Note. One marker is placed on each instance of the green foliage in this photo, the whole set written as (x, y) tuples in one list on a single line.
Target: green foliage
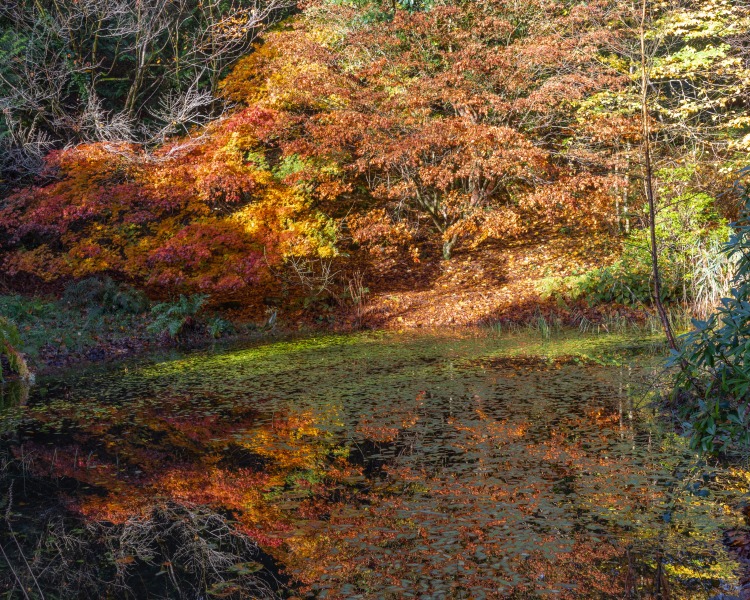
[(374, 11), (173, 318), (623, 282), (49, 323), (698, 73), (714, 381), (44, 322), (105, 296), (688, 235), (258, 160), (21, 310), (289, 166), (218, 327), (10, 340)]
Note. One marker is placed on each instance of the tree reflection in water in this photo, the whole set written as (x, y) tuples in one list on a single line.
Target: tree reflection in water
[(378, 466)]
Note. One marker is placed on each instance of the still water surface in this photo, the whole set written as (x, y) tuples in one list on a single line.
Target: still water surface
[(395, 466)]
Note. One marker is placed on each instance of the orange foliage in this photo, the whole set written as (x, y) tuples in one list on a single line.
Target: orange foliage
[(196, 215), (457, 115)]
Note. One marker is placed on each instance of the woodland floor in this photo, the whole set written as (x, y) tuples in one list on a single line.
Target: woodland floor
[(501, 283)]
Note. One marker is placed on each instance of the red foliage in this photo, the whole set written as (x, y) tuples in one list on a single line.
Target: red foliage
[(213, 256), (163, 220)]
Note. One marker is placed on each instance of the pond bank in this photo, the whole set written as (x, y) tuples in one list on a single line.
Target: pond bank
[(58, 341), (488, 287)]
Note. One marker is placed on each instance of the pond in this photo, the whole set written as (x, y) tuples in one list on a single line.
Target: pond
[(364, 466)]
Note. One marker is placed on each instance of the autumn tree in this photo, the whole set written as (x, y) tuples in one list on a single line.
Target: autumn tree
[(371, 131), (204, 215), (460, 115), (689, 84)]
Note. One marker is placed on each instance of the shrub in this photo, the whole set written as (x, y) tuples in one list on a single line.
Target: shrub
[(173, 318), (693, 270), (23, 309), (10, 340), (218, 327), (105, 296), (714, 380), (49, 326)]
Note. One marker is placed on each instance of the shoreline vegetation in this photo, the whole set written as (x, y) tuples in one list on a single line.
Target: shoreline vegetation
[(69, 337), (363, 165)]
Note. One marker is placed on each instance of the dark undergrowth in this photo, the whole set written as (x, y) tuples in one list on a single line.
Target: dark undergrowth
[(168, 550)]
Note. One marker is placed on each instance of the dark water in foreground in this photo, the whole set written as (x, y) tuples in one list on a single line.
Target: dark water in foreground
[(390, 466)]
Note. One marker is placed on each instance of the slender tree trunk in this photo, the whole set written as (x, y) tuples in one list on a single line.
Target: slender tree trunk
[(448, 244), (618, 222), (649, 185), (626, 192)]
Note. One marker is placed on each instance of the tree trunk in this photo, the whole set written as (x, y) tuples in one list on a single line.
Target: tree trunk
[(649, 186), (448, 246)]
